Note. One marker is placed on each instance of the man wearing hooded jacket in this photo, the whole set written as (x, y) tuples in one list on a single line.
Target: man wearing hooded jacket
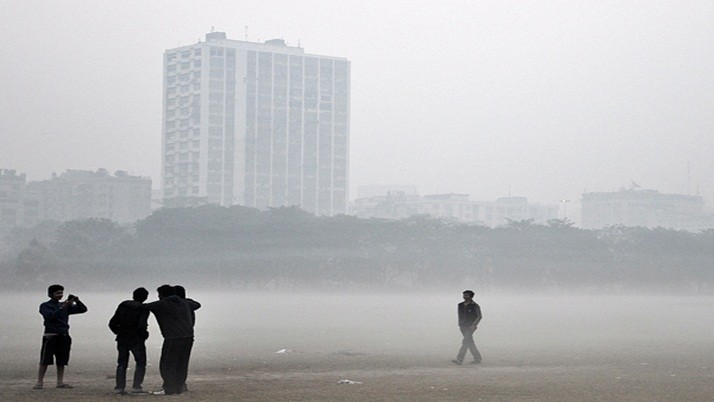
[(174, 317)]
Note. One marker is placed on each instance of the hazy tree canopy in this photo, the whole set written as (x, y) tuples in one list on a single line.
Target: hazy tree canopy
[(34, 263), (44, 232), (80, 238), (245, 247)]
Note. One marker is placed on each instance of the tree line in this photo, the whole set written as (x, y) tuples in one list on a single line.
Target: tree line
[(240, 247)]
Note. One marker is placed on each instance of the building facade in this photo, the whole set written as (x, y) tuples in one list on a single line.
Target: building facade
[(82, 194), (12, 194), (256, 124), (74, 194), (646, 208), (399, 205)]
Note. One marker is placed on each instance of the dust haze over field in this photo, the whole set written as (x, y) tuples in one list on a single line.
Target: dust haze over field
[(398, 345)]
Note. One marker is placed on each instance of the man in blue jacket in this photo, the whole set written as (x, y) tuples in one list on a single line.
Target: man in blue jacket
[(56, 342), (130, 326)]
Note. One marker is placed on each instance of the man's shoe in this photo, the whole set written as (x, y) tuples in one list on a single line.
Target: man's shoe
[(138, 391), (162, 392), (37, 386), (119, 392), (458, 362), (475, 362), (67, 386)]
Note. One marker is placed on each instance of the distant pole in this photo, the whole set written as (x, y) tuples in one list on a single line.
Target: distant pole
[(564, 202)]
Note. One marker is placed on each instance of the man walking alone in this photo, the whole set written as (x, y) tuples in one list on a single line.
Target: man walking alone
[(469, 317)]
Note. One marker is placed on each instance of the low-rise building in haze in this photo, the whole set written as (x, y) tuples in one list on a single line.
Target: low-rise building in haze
[(82, 194), (12, 193), (398, 205), (645, 208), (74, 194)]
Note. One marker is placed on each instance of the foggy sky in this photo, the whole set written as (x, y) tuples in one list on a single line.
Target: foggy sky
[(539, 99)]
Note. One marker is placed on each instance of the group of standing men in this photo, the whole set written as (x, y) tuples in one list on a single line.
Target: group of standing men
[(174, 313)]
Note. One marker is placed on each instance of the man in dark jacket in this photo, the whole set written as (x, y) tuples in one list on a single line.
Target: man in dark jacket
[(174, 317), (130, 326), (56, 342), (180, 291), (469, 317)]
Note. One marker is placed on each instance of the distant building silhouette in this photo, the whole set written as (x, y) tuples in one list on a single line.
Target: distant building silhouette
[(256, 124), (646, 208), (12, 195), (398, 205), (74, 194)]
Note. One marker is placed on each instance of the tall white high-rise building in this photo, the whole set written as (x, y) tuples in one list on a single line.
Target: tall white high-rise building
[(256, 124)]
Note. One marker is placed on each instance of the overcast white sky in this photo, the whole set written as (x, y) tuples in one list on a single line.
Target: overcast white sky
[(542, 99)]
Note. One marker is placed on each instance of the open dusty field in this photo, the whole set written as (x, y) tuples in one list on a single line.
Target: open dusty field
[(398, 347)]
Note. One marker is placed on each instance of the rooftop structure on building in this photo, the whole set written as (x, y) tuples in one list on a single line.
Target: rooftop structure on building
[(379, 190), (256, 124)]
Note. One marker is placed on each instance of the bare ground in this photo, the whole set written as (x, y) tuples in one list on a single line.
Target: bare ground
[(313, 377), (564, 348)]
